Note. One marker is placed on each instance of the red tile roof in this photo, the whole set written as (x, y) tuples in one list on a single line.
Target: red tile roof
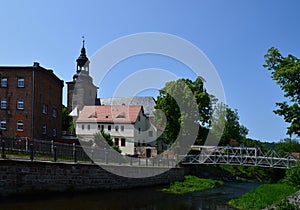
[(110, 114)]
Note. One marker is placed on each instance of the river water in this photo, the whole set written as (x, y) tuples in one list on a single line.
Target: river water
[(135, 199)]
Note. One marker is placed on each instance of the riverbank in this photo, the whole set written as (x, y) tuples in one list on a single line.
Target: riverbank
[(192, 184), (263, 196), (290, 202), (235, 173)]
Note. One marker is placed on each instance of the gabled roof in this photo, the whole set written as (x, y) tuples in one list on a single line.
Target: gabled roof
[(147, 102), (110, 114)]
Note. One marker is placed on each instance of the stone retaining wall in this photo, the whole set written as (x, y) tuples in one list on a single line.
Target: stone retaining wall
[(30, 177)]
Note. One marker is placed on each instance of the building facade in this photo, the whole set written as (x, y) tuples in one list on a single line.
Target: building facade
[(128, 126), (31, 102)]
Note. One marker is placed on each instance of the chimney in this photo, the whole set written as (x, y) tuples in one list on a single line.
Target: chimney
[(36, 64)]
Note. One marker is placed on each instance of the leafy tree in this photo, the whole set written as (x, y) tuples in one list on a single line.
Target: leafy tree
[(186, 92), (233, 130), (293, 175), (226, 125), (67, 121), (288, 145), (251, 142), (286, 72), (103, 138)]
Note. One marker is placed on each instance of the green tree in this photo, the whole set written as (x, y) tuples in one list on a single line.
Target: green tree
[(103, 138), (233, 130), (196, 107), (288, 145), (67, 121), (286, 72), (230, 127), (292, 176)]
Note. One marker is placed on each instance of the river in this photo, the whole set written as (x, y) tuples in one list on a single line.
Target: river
[(135, 199)]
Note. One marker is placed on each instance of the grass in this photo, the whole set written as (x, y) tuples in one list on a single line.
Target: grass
[(263, 196), (192, 184)]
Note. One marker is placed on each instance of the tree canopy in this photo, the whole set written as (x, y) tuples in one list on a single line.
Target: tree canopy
[(227, 125), (183, 101), (286, 72)]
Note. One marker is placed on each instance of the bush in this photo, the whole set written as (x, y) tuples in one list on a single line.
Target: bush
[(293, 175)]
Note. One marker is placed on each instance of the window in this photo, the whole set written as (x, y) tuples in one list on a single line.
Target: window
[(109, 127), (3, 125), (139, 130), (99, 127), (54, 132), (89, 127), (150, 133), (82, 127), (54, 112), (102, 127), (4, 82), (20, 125), (44, 129), (139, 118), (117, 141), (21, 82), (3, 103), (123, 141), (45, 109), (20, 104), (122, 127), (116, 128)]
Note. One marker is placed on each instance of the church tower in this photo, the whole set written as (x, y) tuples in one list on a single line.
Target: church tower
[(81, 91)]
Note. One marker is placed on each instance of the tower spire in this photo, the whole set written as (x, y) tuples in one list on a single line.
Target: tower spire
[(82, 60)]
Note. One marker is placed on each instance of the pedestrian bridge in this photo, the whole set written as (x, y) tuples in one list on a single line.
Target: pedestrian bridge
[(248, 156)]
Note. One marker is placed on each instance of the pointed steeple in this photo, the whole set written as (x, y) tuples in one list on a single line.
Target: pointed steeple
[(82, 60)]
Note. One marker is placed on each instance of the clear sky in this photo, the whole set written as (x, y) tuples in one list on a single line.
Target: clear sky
[(234, 34)]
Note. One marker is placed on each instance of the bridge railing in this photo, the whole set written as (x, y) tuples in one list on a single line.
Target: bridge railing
[(250, 156)]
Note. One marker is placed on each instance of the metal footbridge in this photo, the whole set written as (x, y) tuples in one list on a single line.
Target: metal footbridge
[(248, 156)]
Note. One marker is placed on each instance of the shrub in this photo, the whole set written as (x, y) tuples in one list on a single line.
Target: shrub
[(293, 175)]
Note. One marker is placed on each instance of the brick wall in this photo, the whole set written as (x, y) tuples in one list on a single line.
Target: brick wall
[(26, 177)]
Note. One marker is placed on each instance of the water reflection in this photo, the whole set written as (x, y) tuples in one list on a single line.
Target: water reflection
[(136, 199)]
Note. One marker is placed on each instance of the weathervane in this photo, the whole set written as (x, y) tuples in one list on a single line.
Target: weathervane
[(83, 39)]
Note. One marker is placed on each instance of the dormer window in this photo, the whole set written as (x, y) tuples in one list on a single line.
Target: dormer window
[(94, 115), (121, 115)]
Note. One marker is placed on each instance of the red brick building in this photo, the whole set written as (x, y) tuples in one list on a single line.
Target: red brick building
[(30, 102)]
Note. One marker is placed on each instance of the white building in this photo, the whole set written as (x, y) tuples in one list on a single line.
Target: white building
[(128, 126)]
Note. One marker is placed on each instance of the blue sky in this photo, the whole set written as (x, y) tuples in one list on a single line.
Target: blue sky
[(234, 34)]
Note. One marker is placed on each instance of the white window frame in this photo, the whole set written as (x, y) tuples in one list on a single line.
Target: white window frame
[(3, 125), (4, 82), (20, 125), (3, 103), (20, 104), (21, 82)]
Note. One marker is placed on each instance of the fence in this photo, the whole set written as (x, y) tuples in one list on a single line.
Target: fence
[(26, 149)]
